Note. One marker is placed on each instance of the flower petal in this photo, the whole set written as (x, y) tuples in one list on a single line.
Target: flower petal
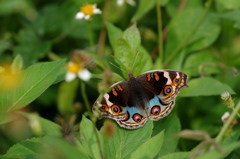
[(97, 11), (86, 17), (120, 2), (70, 76), (84, 74), (79, 15), (131, 2), (225, 116)]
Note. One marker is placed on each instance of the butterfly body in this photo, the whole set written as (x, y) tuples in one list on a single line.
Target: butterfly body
[(150, 95)]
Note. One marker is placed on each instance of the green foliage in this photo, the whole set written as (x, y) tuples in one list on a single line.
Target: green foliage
[(199, 38)]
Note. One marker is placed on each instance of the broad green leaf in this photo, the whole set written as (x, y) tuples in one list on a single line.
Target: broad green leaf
[(127, 48), (205, 86), (123, 142), (216, 154), (232, 137), (12, 6), (177, 62), (143, 8), (176, 155), (48, 127), (4, 44), (123, 55), (153, 144), (66, 96), (114, 34), (143, 62), (228, 5), (26, 149), (171, 126), (132, 36), (31, 83), (55, 148), (88, 138), (207, 65), (30, 47), (17, 64), (182, 24), (234, 16)]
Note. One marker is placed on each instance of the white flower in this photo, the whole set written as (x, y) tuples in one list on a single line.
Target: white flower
[(87, 10), (225, 96), (130, 2), (225, 116), (76, 69)]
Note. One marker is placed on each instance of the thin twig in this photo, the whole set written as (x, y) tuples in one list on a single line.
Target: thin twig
[(160, 33), (227, 124)]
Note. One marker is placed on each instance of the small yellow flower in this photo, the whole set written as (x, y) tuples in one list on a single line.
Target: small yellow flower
[(130, 2), (76, 69), (9, 80), (87, 10)]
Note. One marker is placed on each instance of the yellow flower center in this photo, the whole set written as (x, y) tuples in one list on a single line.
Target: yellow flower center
[(74, 67), (87, 9), (8, 80)]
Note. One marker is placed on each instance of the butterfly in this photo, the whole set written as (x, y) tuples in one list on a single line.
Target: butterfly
[(150, 95)]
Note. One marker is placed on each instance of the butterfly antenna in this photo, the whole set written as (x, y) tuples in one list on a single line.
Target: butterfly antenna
[(135, 59), (117, 67)]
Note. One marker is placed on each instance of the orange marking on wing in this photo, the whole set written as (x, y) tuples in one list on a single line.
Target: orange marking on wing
[(157, 78), (114, 92), (119, 87), (148, 77)]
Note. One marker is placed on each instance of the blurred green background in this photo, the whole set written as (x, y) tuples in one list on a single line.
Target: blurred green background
[(41, 30)]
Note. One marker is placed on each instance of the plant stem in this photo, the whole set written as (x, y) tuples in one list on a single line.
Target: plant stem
[(86, 102), (185, 40), (227, 124), (160, 34), (53, 56), (90, 37)]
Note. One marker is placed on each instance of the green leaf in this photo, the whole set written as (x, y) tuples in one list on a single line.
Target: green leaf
[(114, 34), (206, 33), (4, 45), (176, 155), (206, 65), (132, 36), (171, 126), (66, 96), (143, 8), (228, 5), (127, 48), (31, 83), (205, 86), (55, 148), (27, 149), (12, 6), (143, 62), (124, 141), (216, 154), (88, 138), (153, 144), (123, 55), (48, 127), (31, 47), (17, 64), (234, 16), (232, 137)]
